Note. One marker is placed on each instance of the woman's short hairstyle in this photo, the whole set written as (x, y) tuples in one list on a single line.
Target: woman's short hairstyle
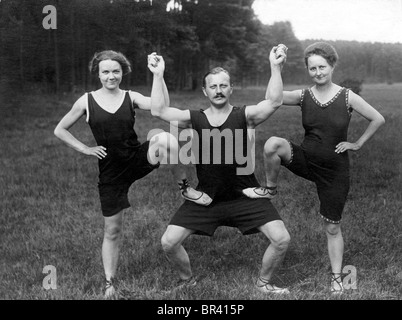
[(322, 49), (109, 55)]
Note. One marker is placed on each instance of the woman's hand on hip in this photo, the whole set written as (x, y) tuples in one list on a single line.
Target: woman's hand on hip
[(98, 151), (344, 146)]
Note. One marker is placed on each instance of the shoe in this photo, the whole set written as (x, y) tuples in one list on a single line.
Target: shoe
[(261, 192), (203, 199), (185, 283), (266, 287), (180, 285), (336, 283), (110, 291)]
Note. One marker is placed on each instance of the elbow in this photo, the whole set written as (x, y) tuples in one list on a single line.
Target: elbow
[(155, 113), (56, 132), (159, 110), (378, 121), (277, 102), (381, 120), (59, 132)]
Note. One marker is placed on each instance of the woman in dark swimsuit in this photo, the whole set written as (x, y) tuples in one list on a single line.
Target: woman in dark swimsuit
[(122, 159), (322, 157)]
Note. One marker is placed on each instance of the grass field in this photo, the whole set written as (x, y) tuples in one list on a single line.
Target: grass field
[(50, 213)]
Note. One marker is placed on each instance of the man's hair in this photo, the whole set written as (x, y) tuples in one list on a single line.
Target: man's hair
[(215, 70), (322, 49), (109, 55)]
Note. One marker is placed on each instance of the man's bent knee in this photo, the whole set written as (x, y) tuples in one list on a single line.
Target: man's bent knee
[(277, 234), (173, 237), (168, 244), (281, 243)]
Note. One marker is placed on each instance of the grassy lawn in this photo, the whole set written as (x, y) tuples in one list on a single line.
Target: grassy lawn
[(50, 213)]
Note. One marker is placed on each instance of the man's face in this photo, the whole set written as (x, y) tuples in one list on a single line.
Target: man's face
[(218, 88)]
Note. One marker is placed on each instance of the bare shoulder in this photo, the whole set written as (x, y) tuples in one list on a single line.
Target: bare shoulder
[(82, 102), (354, 99)]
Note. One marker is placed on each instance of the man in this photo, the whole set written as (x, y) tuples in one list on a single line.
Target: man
[(223, 180)]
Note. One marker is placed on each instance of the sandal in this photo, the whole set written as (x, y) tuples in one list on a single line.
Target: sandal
[(203, 199), (190, 282), (261, 192), (336, 278), (267, 287), (110, 286), (183, 284)]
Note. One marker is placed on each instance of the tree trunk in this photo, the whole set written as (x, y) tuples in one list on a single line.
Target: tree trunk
[(21, 56), (2, 55), (73, 53), (56, 61)]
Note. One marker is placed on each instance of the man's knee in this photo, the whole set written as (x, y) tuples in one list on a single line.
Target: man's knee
[(278, 235), (281, 242), (280, 238), (168, 244), (173, 238)]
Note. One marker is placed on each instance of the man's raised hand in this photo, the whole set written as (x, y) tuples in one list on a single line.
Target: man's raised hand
[(156, 64), (278, 54)]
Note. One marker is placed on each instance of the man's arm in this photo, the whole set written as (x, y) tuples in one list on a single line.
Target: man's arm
[(159, 103), (143, 102), (257, 114)]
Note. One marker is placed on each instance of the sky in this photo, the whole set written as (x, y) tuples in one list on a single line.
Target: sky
[(359, 20)]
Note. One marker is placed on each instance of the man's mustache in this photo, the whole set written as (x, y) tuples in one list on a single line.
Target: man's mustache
[(219, 95)]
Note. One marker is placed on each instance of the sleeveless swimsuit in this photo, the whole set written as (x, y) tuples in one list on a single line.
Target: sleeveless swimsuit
[(315, 159)]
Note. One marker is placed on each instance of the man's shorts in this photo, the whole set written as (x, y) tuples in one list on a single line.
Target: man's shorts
[(332, 187), (243, 213), (114, 196)]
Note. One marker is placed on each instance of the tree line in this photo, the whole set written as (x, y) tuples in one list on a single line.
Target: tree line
[(193, 37)]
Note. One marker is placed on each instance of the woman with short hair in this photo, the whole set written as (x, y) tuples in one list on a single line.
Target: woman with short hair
[(322, 157)]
